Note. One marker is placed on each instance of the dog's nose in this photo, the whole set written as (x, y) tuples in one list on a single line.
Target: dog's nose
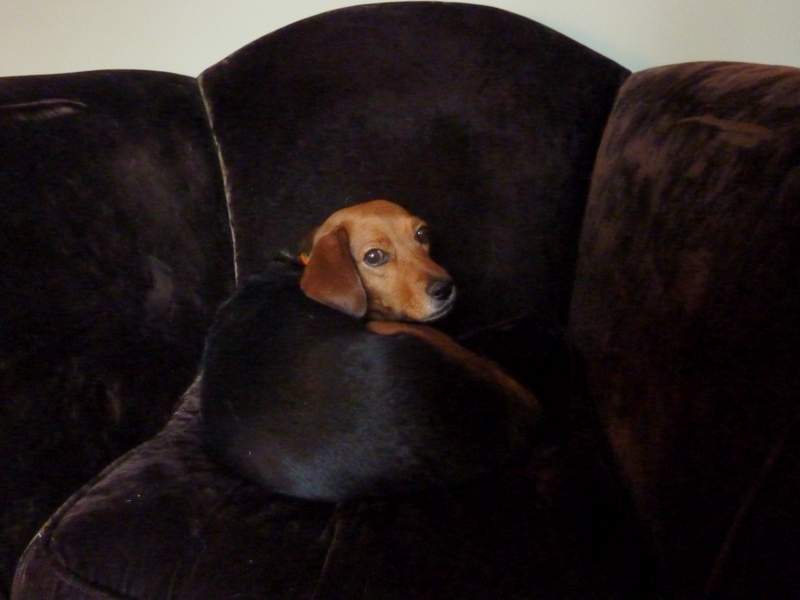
[(441, 289)]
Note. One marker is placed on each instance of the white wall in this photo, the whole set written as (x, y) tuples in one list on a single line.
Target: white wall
[(185, 36)]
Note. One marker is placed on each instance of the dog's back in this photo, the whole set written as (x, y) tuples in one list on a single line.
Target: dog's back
[(306, 401)]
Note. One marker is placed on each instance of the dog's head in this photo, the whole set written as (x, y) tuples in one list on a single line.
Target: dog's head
[(373, 259)]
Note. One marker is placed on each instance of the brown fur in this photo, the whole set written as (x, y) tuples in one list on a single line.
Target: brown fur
[(397, 290)]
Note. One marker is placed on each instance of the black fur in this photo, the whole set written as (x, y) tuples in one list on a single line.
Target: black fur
[(304, 400)]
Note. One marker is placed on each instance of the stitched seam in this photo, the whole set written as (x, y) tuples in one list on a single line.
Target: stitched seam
[(343, 517), (64, 572), (225, 178), (338, 526), (61, 569), (746, 506)]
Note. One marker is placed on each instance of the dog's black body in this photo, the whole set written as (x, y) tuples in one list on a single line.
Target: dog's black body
[(304, 400)]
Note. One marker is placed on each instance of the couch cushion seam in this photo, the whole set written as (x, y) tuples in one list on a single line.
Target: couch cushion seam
[(225, 177), (66, 573), (746, 505), (63, 571)]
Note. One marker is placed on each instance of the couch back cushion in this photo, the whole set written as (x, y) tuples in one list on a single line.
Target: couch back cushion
[(483, 122), (114, 253), (687, 314)]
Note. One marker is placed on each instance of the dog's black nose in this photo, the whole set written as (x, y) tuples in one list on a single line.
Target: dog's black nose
[(441, 289)]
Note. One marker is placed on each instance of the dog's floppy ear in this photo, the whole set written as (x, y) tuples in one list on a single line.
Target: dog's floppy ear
[(331, 277)]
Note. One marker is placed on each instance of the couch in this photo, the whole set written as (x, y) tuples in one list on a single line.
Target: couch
[(626, 244)]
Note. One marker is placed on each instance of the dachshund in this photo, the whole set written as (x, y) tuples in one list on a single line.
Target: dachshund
[(322, 378)]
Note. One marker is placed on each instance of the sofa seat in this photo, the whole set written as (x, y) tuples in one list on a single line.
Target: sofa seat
[(164, 521)]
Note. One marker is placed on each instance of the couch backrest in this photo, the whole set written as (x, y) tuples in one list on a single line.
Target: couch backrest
[(114, 253), (483, 122), (687, 314)]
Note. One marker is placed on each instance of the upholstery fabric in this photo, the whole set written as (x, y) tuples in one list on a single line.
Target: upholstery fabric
[(166, 522), (480, 121), (114, 253), (687, 315)]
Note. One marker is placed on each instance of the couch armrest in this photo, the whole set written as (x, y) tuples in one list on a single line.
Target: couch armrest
[(114, 254), (687, 312)]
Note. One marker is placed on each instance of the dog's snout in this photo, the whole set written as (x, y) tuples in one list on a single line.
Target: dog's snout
[(441, 289)]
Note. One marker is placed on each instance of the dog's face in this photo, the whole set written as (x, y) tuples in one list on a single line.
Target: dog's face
[(373, 258)]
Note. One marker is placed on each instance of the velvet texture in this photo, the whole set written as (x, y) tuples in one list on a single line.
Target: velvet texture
[(482, 122), (165, 522), (687, 315), (114, 253)]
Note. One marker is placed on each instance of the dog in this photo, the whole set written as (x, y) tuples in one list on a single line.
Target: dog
[(323, 379)]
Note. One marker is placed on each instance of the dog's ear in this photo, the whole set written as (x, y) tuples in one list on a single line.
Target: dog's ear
[(331, 277)]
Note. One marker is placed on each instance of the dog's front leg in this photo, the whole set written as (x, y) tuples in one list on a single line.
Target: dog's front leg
[(478, 366)]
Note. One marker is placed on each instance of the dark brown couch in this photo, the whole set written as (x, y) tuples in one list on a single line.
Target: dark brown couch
[(628, 245)]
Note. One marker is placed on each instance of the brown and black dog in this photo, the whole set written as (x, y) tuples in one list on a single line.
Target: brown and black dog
[(302, 396)]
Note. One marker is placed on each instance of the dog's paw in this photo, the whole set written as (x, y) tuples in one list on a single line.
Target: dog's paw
[(424, 332), (385, 327)]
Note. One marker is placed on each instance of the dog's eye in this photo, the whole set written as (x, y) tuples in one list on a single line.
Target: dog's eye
[(376, 257), (423, 235)]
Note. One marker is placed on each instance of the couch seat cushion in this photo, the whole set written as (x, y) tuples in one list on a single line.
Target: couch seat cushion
[(164, 521)]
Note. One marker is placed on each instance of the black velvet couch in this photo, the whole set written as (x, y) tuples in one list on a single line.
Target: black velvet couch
[(628, 245)]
